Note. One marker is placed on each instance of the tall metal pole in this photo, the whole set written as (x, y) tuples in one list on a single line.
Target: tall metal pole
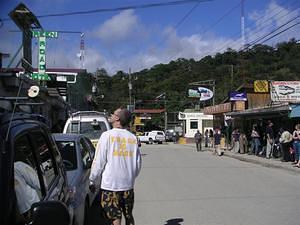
[(166, 113), (214, 90), (243, 24), (231, 76), (129, 86)]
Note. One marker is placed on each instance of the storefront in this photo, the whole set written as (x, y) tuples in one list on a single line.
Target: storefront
[(193, 121)]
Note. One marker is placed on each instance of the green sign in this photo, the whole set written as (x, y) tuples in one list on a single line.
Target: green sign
[(42, 55), (42, 35), (37, 76), (47, 34)]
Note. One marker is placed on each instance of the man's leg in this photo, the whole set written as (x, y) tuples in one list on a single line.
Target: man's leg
[(127, 206), (268, 150), (110, 202)]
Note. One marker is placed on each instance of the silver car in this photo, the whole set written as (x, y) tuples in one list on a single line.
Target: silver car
[(77, 153)]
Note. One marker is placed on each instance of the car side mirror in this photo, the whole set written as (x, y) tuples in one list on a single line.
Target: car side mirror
[(88, 164), (49, 213)]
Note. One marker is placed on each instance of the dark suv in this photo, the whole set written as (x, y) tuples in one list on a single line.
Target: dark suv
[(29, 152)]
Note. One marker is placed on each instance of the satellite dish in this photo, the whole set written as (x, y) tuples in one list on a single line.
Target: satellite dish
[(33, 91)]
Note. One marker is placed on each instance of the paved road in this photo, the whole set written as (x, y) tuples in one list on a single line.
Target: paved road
[(179, 186)]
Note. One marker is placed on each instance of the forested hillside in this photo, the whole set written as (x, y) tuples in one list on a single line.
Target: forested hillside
[(229, 69)]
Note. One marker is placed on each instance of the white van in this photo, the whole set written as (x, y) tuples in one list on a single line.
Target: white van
[(89, 123), (154, 136)]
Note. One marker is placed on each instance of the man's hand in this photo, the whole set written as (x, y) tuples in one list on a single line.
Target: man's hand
[(92, 188)]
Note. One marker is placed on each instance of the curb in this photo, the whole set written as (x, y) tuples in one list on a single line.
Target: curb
[(270, 163)]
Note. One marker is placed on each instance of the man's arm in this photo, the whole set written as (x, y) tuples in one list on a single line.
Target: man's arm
[(29, 174), (100, 158), (138, 162)]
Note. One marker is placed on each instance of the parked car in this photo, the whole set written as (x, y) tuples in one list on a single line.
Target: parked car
[(169, 134), (29, 154), (89, 123), (154, 136), (78, 153)]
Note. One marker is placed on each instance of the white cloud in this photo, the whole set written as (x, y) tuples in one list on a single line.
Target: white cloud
[(119, 27), (268, 20)]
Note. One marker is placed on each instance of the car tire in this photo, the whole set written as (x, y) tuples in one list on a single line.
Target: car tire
[(150, 141)]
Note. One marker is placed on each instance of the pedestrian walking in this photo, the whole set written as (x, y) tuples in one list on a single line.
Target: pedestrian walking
[(211, 138), (206, 136), (255, 140), (270, 139), (236, 140), (198, 140), (296, 144), (118, 162), (217, 142), (285, 141)]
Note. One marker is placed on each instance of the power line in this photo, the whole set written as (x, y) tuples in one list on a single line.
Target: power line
[(273, 31), (214, 24), (221, 18), (279, 32), (102, 10), (235, 43), (181, 21)]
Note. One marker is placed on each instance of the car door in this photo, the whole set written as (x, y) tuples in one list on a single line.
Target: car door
[(85, 173), (28, 181), (88, 153), (54, 182)]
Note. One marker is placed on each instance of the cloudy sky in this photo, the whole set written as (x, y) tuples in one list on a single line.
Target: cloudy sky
[(140, 38)]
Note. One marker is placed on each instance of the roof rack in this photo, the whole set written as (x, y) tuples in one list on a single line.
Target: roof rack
[(89, 113)]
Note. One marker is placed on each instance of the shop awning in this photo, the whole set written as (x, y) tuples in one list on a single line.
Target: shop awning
[(277, 110), (295, 111)]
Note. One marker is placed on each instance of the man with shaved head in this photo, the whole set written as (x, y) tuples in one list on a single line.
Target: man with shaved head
[(118, 162)]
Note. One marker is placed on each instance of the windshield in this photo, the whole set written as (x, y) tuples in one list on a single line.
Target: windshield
[(68, 153), (90, 129)]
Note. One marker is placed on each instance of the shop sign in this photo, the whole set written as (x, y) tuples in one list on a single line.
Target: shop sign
[(285, 91), (261, 86), (184, 116), (217, 109), (200, 92), (238, 96)]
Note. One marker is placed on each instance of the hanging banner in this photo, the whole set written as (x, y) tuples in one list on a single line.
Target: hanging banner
[(285, 91), (200, 92), (238, 96)]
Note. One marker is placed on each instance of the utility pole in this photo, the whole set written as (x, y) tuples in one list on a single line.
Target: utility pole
[(166, 113), (129, 86), (231, 77), (243, 25)]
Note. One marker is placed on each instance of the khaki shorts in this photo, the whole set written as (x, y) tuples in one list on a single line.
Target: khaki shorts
[(114, 203)]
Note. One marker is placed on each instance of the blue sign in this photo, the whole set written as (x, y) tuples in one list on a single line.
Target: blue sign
[(238, 96)]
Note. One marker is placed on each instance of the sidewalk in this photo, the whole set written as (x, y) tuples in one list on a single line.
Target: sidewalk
[(272, 163)]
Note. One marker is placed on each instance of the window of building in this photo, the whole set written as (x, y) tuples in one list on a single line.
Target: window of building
[(194, 125)]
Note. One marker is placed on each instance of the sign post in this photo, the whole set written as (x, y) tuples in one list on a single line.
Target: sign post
[(42, 35)]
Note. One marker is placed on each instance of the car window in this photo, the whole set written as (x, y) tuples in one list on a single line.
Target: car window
[(23, 151), (26, 181), (73, 127), (85, 153), (90, 146), (160, 133), (68, 153), (47, 164), (90, 129)]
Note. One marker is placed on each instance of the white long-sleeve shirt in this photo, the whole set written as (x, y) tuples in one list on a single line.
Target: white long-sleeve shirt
[(117, 159)]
